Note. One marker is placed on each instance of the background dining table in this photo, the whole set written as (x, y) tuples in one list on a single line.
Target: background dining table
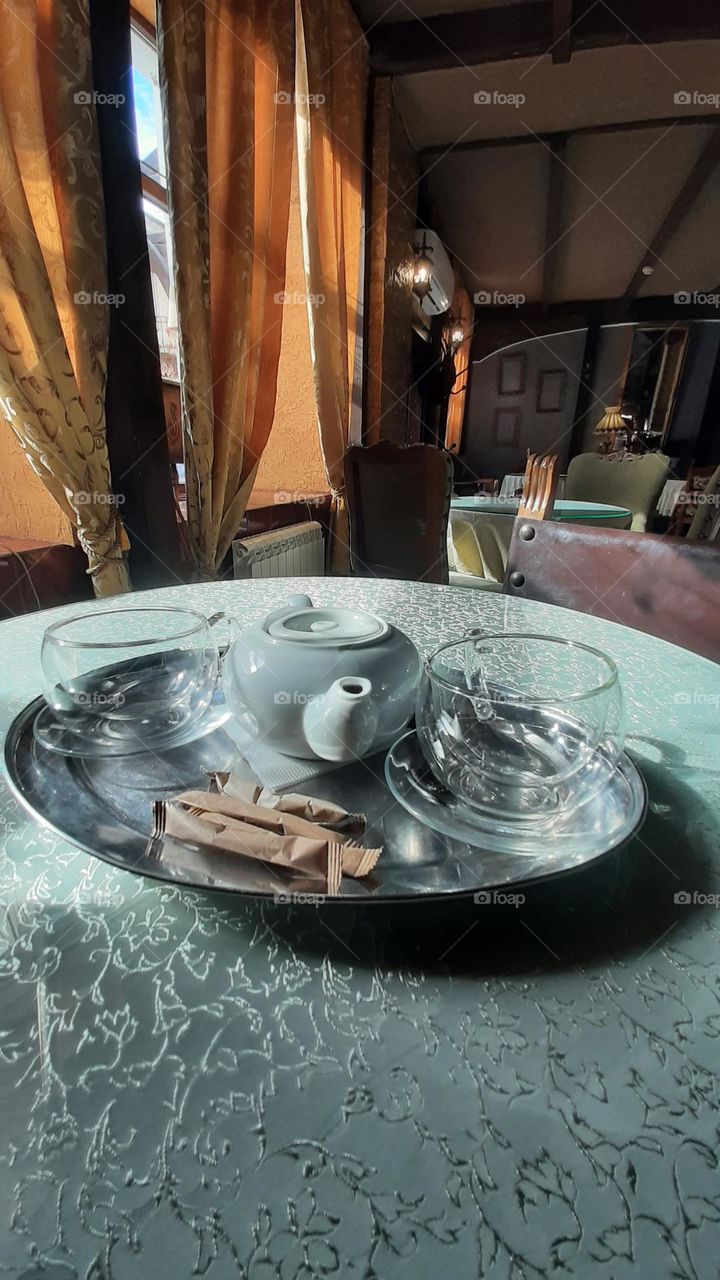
[(564, 509), (511, 486), (193, 1084), (482, 549)]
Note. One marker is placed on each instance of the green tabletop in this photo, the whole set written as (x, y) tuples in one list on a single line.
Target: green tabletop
[(564, 509), (192, 1086)]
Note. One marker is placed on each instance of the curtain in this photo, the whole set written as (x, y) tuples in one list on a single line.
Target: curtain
[(461, 311), (53, 306), (331, 106), (227, 81)]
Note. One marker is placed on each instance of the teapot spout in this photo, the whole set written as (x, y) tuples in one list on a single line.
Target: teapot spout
[(342, 723)]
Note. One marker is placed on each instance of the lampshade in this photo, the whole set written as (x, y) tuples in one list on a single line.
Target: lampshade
[(611, 421)]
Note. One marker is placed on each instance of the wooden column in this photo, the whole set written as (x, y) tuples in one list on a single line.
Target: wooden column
[(379, 107), (585, 385), (562, 30)]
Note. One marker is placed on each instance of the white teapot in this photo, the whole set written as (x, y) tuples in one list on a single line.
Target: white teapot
[(322, 682)]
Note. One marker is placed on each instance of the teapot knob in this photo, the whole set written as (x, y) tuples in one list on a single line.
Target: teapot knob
[(299, 602)]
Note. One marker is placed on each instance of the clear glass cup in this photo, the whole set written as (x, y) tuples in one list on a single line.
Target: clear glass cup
[(506, 721), (119, 675)]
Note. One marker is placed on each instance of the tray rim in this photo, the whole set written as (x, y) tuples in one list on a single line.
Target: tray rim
[(24, 719)]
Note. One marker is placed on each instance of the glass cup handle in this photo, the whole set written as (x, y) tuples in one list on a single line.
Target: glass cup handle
[(229, 633)]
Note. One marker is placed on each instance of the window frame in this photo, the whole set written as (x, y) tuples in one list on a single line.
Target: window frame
[(154, 192)]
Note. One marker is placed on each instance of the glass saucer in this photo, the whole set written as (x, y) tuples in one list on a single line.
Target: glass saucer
[(598, 808), (94, 744)]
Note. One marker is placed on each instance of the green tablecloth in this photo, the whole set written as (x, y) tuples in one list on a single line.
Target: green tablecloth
[(193, 1086)]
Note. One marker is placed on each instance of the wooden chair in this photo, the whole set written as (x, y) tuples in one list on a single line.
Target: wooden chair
[(539, 486), (664, 586), (685, 510), (706, 509), (398, 502), (41, 578)]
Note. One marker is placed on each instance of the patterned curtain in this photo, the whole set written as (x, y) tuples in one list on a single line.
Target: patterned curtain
[(53, 308), (227, 82), (331, 82)]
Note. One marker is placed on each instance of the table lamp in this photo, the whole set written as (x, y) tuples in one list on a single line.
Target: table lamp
[(609, 427)]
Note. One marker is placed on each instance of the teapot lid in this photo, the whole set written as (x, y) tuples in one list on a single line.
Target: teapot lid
[(327, 628)]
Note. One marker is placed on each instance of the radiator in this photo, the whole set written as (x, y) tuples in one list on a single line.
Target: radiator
[(297, 551)]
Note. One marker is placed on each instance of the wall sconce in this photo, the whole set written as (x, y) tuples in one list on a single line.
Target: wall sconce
[(422, 270), (457, 337)]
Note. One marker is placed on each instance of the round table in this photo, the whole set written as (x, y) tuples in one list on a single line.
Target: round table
[(564, 509), (192, 1085), (480, 530)]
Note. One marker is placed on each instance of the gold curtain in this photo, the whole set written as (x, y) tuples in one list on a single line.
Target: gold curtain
[(331, 105), (462, 313), (53, 313), (227, 80)]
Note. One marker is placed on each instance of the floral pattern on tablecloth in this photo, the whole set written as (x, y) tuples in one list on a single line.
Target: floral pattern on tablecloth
[(196, 1086)]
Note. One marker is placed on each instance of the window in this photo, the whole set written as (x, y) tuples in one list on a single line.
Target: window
[(153, 165)]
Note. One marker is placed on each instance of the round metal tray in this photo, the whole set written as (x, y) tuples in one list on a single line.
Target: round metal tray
[(104, 807)]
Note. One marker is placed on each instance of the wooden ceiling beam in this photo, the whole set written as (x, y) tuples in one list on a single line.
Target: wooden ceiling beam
[(530, 138), (660, 309), (521, 30), (562, 30), (705, 165), (143, 12)]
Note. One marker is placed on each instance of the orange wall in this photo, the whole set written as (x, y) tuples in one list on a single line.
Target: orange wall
[(292, 461), (26, 508)]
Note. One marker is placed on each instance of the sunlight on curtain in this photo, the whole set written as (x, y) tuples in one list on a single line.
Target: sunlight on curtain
[(53, 311), (331, 93), (227, 79)]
